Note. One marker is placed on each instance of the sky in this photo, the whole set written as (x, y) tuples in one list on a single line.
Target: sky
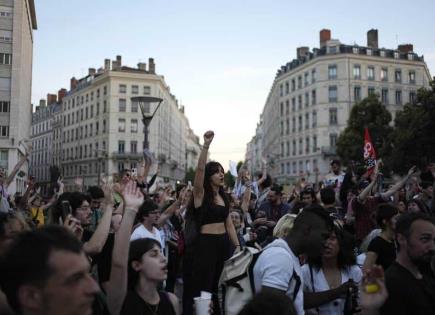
[(219, 57)]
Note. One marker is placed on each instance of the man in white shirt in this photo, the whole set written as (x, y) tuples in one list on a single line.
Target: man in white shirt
[(278, 268), (148, 214)]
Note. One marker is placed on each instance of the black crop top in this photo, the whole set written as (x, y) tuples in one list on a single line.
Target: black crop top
[(214, 214)]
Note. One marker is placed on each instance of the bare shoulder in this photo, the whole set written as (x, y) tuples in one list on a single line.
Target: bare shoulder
[(174, 301)]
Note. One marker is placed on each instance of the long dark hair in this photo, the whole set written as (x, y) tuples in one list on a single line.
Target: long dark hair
[(346, 257), (137, 249)]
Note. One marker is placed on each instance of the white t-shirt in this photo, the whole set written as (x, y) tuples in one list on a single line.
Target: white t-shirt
[(279, 268), (142, 232), (320, 284)]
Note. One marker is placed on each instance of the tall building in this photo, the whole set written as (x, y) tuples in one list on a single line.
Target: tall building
[(311, 98), (17, 22), (102, 130)]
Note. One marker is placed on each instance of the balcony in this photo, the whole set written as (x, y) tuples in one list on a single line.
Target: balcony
[(127, 155), (328, 151)]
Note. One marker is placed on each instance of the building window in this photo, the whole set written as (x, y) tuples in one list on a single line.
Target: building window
[(333, 116), (4, 106), (357, 72), (384, 74), (313, 97), (133, 146), (5, 59), (122, 88), (287, 126), (332, 90), (300, 123), (300, 102), (293, 85), (300, 146), (282, 168), (287, 88), (121, 125), (281, 90), (134, 89), (307, 99), (384, 96), (370, 73), (4, 131), (104, 106), (314, 119), (332, 72), (357, 93), (282, 149), (313, 76), (398, 76), (398, 97), (307, 145), (307, 121), (98, 93), (105, 90), (293, 104), (281, 128), (104, 126), (314, 143), (411, 77), (287, 148), (287, 107), (306, 78), (333, 140), (281, 108), (121, 146), (299, 82), (147, 90), (294, 167), (371, 91), (288, 167), (294, 148), (412, 97), (97, 109), (133, 126), (293, 124), (122, 105)]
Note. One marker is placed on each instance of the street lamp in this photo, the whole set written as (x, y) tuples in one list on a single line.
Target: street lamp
[(147, 115)]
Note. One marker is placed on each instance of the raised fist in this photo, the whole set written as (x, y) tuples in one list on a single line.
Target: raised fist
[(208, 137)]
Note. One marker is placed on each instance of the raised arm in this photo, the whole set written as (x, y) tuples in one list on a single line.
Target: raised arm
[(96, 243), (246, 198), (198, 188), (400, 184), (169, 212), (17, 167), (264, 172), (117, 286)]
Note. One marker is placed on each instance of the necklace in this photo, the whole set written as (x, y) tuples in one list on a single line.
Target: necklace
[(153, 309)]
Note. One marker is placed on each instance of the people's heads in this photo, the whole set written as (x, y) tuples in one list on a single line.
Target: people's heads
[(37, 201), (146, 260), (269, 302), (45, 270), (415, 237), (125, 176), (237, 218), (11, 223), (284, 225), (310, 230), (427, 188), (148, 212), (415, 205), (402, 206), (266, 183), (335, 166), (80, 207), (214, 174), (308, 196), (386, 216), (274, 195), (97, 196), (327, 196)]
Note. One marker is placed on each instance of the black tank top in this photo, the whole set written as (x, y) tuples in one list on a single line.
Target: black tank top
[(213, 214), (135, 305)]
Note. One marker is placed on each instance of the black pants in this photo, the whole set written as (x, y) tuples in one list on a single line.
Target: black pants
[(211, 251)]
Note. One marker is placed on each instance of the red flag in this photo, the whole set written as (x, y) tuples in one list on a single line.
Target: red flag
[(369, 152)]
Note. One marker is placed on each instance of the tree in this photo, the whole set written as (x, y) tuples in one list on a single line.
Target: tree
[(229, 179), (190, 175), (413, 139), (367, 113)]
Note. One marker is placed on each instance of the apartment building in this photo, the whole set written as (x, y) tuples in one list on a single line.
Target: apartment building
[(311, 98), (17, 22)]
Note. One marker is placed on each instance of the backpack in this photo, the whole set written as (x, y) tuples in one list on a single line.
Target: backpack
[(236, 283)]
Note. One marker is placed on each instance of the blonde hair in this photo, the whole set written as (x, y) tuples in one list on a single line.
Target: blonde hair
[(284, 225)]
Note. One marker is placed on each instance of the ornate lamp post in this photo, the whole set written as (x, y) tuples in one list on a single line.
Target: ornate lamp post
[(147, 113)]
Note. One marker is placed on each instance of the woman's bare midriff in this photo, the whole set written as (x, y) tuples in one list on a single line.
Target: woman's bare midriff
[(213, 228)]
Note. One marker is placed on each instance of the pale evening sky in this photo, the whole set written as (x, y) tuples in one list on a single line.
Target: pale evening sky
[(218, 57)]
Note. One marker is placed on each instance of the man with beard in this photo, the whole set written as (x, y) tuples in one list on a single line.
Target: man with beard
[(410, 288)]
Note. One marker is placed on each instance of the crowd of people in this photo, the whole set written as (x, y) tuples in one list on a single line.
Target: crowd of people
[(133, 246)]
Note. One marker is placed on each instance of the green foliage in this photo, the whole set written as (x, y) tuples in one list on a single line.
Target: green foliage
[(414, 134), (239, 165), (229, 179), (190, 175), (367, 113)]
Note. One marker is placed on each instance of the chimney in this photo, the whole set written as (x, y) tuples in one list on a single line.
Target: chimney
[(302, 52), (325, 35), (372, 38), (100, 70), (115, 65), (51, 98), (42, 103), (73, 83), (60, 95), (91, 71), (119, 60), (142, 66), (405, 48), (152, 66), (106, 64)]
